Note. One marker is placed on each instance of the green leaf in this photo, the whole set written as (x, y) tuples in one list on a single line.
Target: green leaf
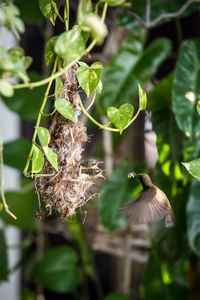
[(89, 77), (120, 117), (114, 2), (23, 204), (169, 137), (50, 54), (58, 270), (4, 259), (26, 102), (58, 87), (193, 218), (186, 90), (44, 136), (50, 9), (128, 67), (142, 98), (193, 167), (52, 157), (37, 160), (16, 152), (116, 191), (6, 88), (65, 108), (116, 296), (70, 45)]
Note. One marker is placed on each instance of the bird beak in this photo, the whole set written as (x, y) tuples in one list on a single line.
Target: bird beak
[(133, 174)]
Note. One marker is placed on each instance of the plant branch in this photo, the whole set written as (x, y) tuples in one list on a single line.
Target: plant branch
[(154, 22), (2, 182), (148, 12)]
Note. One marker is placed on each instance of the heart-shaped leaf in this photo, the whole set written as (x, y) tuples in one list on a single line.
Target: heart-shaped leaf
[(193, 167), (44, 136), (120, 117), (58, 270), (37, 160), (70, 45), (50, 54), (52, 157), (65, 108), (89, 77), (50, 9), (142, 98)]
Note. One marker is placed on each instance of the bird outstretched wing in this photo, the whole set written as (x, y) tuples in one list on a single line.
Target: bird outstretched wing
[(151, 205)]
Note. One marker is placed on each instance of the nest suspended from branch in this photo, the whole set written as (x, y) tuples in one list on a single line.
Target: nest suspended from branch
[(67, 190)]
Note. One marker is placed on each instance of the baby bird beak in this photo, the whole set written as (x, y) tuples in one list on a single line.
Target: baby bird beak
[(132, 174)]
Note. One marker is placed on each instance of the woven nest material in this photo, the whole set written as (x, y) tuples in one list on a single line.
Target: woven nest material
[(66, 190)]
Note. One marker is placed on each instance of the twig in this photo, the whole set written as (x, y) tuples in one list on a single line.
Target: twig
[(148, 12), (2, 182), (154, 22)]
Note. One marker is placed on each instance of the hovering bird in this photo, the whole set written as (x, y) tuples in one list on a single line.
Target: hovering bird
[(151, 204)]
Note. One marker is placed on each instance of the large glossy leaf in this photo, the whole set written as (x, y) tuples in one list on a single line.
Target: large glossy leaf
[(70, 45), (16, 152), (23, 204), (58, 270), (27, 102), (130, 66), (116, 191), (187, 88), (157, 8), (193, 217), (4, 258), (169, 137)]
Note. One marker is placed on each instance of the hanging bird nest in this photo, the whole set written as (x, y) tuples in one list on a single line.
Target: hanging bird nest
[(67, 189)]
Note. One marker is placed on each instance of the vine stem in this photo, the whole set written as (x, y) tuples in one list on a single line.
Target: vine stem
[(101, 125), (66, 15), (92, 102), (2, 182), (66, 68), (93, 120), (39, 118)]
